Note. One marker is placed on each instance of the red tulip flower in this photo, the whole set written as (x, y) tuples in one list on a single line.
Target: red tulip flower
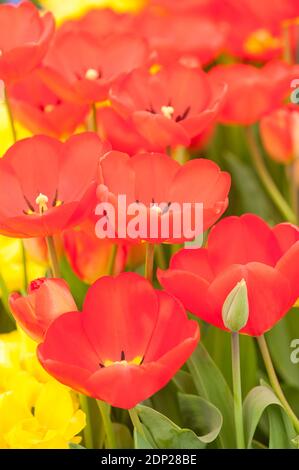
[(128, 342), (269, 85), (121, 132), (279, 133), (47, 299), (100, 23), (48, 186), (169, 107), (80, 68), (183, 36), (153, 179), (41, 111), (24, 39), (239, 248)]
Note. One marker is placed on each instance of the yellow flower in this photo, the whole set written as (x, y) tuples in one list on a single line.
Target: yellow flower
[(6, 139), (11, 264), (74, 8), (36, 412)]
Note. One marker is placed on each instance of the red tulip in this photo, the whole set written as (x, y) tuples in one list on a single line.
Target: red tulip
[(183, 36), (100, 23), (269, 85), (24, 39), (81, 69), (90, 256), (121, 132), (47, 299), (46, 185), (128, 342), (171, 106), (279, 133), (239, 248), (152, 179), (42, 111)]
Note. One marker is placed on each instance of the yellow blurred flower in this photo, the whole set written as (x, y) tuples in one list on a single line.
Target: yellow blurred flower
[(11, 264), (36, 412), (74, 8), (6, 139)]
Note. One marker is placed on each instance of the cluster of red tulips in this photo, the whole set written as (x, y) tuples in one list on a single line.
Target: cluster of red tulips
[(188, 103)]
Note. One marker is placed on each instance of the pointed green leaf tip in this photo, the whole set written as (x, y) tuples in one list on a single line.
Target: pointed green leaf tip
[(235, 309)]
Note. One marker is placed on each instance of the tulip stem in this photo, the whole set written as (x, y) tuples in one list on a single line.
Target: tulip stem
[(112, 259), (266, 178), (136, 422), (149, 261), (53, 259), (87, 431), (94, 117), (275, 382), (108, 426), (237, 389), (10, 116)]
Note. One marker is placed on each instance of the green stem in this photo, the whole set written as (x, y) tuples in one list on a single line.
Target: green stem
[(160, 256), (87, 431), (136, 422), (94, 117), (10, 116), (24, 262), (275, 382), (108, 426), (236, 370), (53, 259), (112, 259), (149, 261), (266, 178)]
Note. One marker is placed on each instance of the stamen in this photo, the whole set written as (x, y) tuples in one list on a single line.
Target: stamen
[(49, 108), (92, 74), (167, 111), (42, 201)]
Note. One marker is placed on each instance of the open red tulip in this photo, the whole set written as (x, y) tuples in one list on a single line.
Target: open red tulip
[(81, 69), (128, 342), (171, 106), (279, 133), (47, 299), (239, 248), (24, 39), (41, 111), (270, 84), (153, 179), (47, 186)]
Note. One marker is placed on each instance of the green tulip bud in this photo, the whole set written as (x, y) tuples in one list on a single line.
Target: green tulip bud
[(235, 309)]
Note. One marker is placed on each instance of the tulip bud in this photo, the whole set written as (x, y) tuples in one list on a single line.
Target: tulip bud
[(235, 309), (47, 299)]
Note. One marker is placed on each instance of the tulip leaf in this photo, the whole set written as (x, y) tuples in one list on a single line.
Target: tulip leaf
[(201, 416), (75, 446), (140, 442), (123, 436), (280, 345), (183, 381), (78, 288), (211, 385), (281, 431), (256, 402), (162, 433)]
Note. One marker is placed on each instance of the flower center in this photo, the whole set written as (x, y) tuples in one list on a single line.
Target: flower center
[(49, 108), (92, 74), (167, 111), (42, 201), (123, 362)]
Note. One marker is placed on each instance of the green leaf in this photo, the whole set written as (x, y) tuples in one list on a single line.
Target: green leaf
[(256, 402), (184, 383), (201, 416), (162, 433), (123, 436), (279, 341), (75, 446), (140, 442), (281, 431), (78, 288), (211, 385)]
